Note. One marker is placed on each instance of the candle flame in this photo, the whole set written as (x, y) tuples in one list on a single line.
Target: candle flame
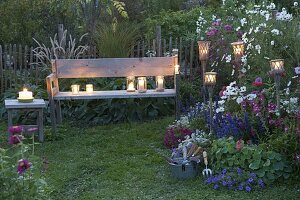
[(25, 90)]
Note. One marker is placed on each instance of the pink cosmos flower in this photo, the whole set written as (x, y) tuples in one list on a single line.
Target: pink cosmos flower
[(15, 139), (15, 129), (239, 145), (228, 27)]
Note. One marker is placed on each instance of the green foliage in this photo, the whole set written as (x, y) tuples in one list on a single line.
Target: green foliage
[(116, 40), (267, 164), (173, 23), (29, 185)]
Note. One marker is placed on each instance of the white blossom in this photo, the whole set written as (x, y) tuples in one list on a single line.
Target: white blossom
[(243, 21), (221, 109), (228, 58), (275, 32), (295, 3), (239, 100), (272, 6), (243, 89), (272, 43), (258, 48)]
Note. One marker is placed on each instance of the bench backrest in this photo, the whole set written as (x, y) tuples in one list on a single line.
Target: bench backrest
[(114, 67)]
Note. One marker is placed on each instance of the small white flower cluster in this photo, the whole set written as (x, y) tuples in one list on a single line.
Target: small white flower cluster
[(272, 6), (231, 92), (290, 105), (243, 21), (296, 4), (200, 22), (284, 15), (183, 122), (276, 32)]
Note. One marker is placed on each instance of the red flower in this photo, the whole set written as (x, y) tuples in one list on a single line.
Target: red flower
[(258, 82)]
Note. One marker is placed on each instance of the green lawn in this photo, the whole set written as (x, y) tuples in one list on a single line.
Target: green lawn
[(123, 161)]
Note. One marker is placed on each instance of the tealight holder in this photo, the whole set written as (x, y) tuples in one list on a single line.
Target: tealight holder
[(25, 96), (142, 84), (160, 83), (75, 89), (89, 88)]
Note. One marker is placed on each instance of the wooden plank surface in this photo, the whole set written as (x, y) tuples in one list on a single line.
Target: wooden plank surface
[(14, 103), (114, 67), (115, 94)]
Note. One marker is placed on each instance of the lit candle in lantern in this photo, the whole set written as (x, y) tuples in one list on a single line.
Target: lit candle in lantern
[(142, 84), (203, 49), (89, 88), (238, 48), (25, 94), (277, 65), (130, 84), (75, 89), (159, 83)]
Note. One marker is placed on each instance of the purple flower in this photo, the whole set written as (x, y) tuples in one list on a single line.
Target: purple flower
[(23, 165), (298, 158), (210, 33), (216, 186), (228, 27), (15, 129), (271, 107), (248, 188), (240, 34), (216, 23), (297, 70), (298, 114)]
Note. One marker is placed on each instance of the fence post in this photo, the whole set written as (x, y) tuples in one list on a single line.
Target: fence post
[(158, 41), (1, 72)]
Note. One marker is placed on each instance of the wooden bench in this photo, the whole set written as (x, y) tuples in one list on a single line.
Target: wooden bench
[(108, 67)]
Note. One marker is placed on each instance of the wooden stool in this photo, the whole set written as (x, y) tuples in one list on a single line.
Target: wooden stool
[(37, 105)]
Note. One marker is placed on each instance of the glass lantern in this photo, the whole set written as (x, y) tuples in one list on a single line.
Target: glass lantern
[(203, 49), (277, 65), (238, 48), (130, 84), (75, 89), (210, 78), (142, 84), (160, 83)]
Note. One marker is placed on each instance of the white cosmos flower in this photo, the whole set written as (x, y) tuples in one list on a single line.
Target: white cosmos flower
[(228, 58), (243, 21), (272, 43), (295, 3), (221, 102), (258, 48)]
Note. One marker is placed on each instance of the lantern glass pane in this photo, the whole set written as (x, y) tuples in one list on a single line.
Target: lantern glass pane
[(130, 84)]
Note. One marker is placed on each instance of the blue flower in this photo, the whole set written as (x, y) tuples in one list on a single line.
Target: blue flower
[(261, 183), (250, 180), (224, 183), (216, 186), (224, 171), (252, 175), (239, 171), (240, 187), (248, 188)]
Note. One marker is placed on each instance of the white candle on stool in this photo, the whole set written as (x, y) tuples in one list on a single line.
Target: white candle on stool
[(75, 89), (131, 86), (25, 94)]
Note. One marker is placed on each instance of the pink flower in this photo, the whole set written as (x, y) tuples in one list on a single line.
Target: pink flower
[(23, 165), (15, 139), (15, 129), (298, 158), (271, 107), (216, 23)]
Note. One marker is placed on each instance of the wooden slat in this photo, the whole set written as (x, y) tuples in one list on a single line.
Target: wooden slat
[(114, 67), (170, 44), (25, 63), (191, 59), (115, 94)]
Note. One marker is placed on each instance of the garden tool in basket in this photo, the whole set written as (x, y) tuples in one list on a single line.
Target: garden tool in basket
[(206, 171)]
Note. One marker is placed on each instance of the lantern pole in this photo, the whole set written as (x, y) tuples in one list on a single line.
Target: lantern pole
[(210, 82), (203, 57), (277, 67)]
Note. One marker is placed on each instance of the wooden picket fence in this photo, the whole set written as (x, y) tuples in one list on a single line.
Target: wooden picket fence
[(19, 65)]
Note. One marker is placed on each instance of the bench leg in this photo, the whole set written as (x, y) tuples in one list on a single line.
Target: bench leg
[(58, 112), (52, 115), (40, 125), (9, 116)]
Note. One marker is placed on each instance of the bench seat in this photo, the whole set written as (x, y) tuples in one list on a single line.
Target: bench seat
[(115, 94)]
